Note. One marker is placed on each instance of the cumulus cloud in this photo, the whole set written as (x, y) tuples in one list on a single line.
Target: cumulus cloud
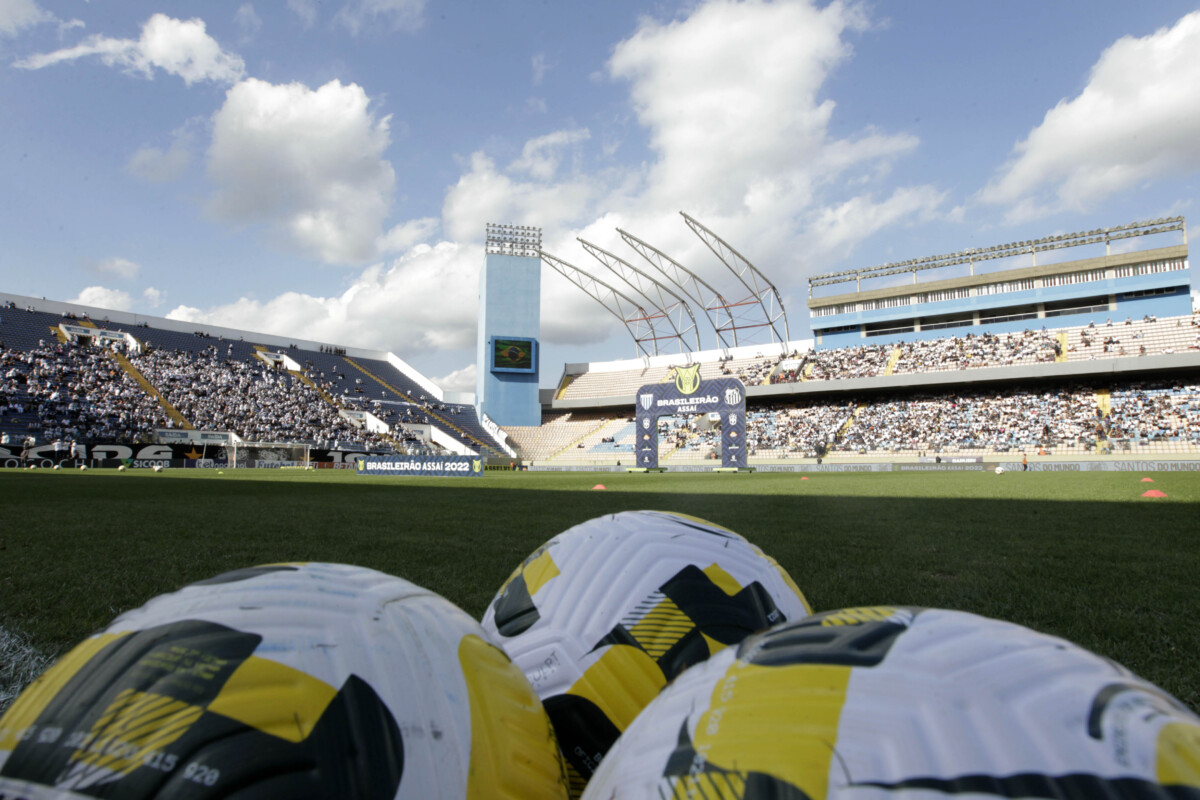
[(423, 301), (407, 234), (400, 15), (154, 297), (729, 98), (177, 47), (460, 380), (540, 157), (485, 194), (100, 297), (308, 163), (16, 15), (840, 225), (1134, 120), (120, 267)]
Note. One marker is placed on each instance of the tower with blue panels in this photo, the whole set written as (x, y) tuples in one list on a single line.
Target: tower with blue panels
[(510, 289)]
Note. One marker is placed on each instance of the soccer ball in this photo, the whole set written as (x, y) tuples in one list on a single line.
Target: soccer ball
[(121, 468), (158, 468), (82, 467), (287, 680), (603, 615), (999, 470), (57, 466), (871, 702)]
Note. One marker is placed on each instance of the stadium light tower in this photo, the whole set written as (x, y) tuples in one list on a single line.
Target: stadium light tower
[(510, 300)]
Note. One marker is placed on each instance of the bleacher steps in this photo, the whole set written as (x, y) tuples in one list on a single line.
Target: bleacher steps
[(434, 415), (575, 444), (149, 389), (893, 360)]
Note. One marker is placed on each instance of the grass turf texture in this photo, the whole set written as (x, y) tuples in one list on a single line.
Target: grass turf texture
[(1081, 555)]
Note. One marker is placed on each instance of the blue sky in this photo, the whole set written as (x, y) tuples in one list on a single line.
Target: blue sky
[(325, 170)]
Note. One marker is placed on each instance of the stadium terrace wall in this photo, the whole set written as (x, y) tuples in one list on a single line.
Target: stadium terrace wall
[(850, 329), (99, 315), (1129, 367), (1108, 465)]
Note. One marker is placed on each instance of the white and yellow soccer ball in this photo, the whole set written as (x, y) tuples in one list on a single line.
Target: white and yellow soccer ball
[(910, 703), (284, 681), (999, 470), (603, 615), (121, 468)]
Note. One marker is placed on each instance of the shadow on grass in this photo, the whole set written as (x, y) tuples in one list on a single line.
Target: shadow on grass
[(1118, 578)]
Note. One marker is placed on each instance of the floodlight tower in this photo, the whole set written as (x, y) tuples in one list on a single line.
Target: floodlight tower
[(510, 290)]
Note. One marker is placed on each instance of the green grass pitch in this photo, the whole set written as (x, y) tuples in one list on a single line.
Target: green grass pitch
[(1079, 555)]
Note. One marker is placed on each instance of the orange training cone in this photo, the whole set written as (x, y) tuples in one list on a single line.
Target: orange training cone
[(1147, 480), (599, 487), (1154, 493)]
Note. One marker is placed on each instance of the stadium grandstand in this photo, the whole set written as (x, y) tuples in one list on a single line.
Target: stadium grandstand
[(1095, 357), (75, 374)]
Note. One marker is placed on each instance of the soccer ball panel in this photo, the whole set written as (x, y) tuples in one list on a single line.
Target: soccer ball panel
[(603, 615), (909, 703), (314, 680)]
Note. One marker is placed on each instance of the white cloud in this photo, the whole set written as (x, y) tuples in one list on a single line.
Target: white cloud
[(178, 47), (16, 15), (1135, 120), (306, 10), (154, 297), (541, 156), (309, 163), (460, 380), (485, 195), (729, 97), (840, 226), (407, 234), (400, 15), (248, 22), (100, 297), (423, 301), (121, 267)]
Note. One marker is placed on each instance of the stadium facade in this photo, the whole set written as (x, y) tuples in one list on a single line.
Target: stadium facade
[(1138, 284)]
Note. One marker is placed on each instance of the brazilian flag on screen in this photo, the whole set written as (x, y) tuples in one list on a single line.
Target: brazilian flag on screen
[(512, 354)]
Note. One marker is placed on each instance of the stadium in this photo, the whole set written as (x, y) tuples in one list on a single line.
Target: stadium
[(148, 438)]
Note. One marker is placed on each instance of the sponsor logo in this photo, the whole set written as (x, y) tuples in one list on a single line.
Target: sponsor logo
[(476, 465), (732, 417), (646, 423), (687, 379)]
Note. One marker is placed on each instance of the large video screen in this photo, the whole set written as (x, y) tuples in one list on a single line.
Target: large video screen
[(512, 354)]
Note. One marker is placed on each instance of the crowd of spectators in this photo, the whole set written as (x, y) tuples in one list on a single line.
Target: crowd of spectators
[(68, 392), (995, 419), (249, 398), (804, 428), (974, 351), (1154, 411)]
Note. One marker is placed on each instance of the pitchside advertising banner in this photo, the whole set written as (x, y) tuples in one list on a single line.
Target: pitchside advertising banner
[(445, 467), (688, 394), (111, 454)]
